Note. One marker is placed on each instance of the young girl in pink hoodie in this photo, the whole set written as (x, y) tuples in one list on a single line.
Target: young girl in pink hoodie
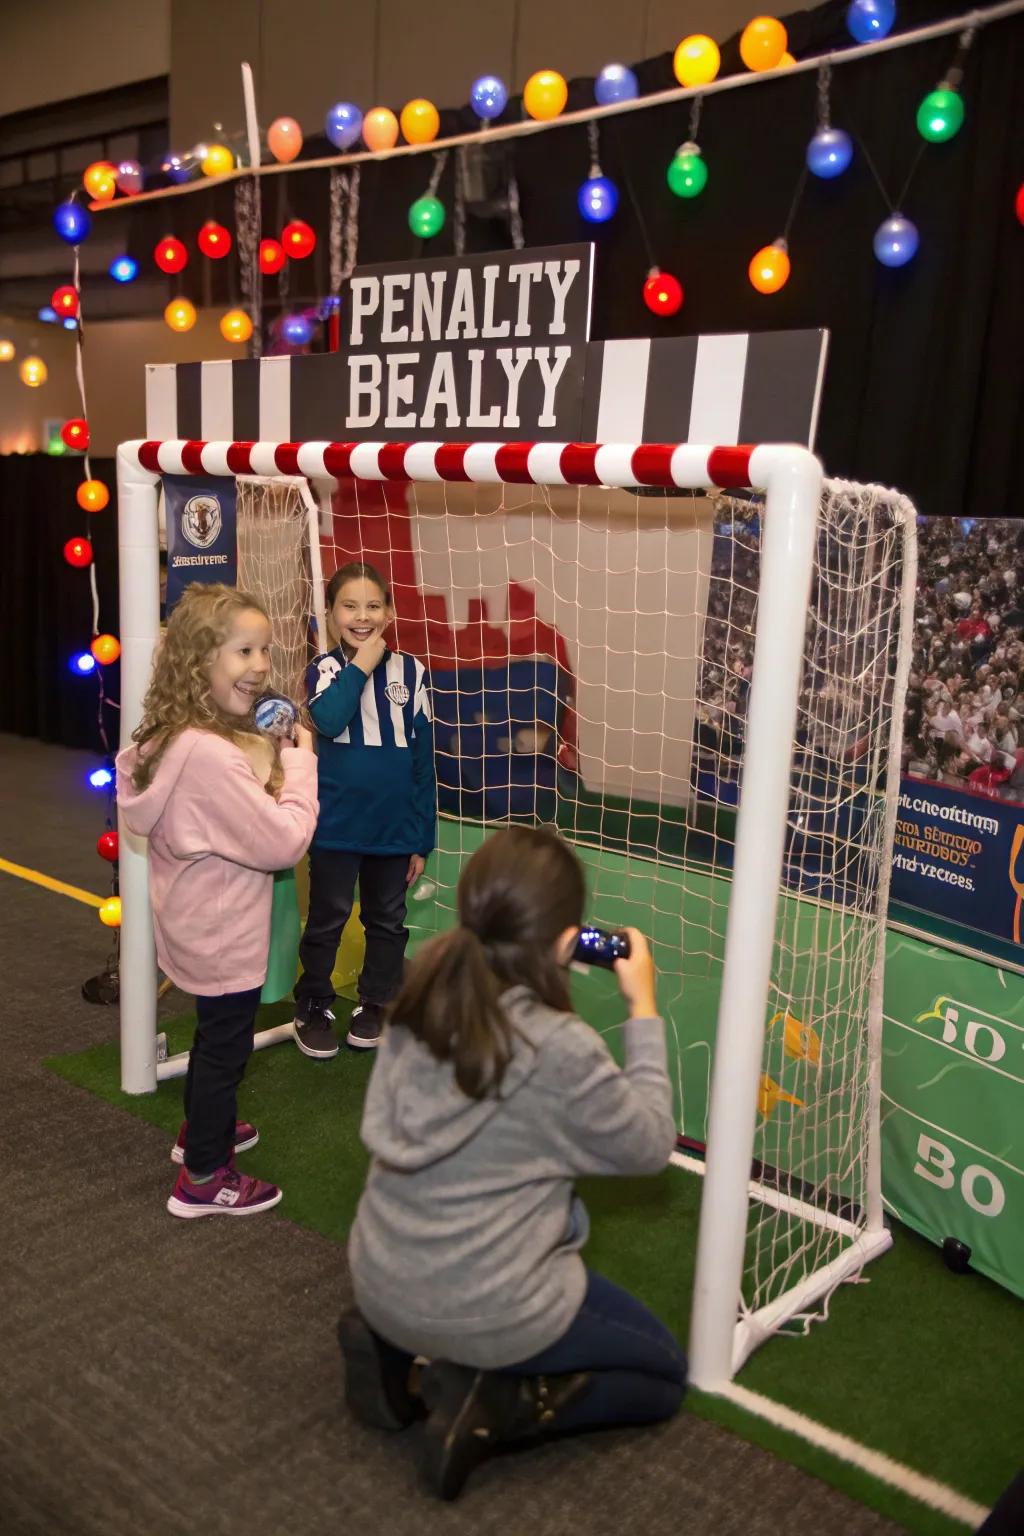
[(221, 811)]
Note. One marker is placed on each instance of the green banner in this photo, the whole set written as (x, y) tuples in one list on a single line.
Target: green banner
[(952, 1103)]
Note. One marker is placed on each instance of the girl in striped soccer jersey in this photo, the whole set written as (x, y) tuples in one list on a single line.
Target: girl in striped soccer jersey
[(378, 808)]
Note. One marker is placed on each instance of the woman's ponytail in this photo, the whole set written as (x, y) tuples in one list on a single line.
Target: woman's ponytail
[(519, 892), (451, 1001)]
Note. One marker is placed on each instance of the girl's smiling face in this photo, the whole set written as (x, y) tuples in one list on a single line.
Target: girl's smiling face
[(240, 667), (359, 612)]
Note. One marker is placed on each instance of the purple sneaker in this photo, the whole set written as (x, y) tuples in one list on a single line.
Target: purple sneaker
[(228, 1193), (246, 1136)]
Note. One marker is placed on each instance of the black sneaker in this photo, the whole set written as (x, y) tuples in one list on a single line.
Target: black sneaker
[(364, 1027), (314, 1029), (376, 1386), (473, 1413)]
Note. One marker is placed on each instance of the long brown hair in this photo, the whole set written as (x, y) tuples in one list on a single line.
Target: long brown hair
[(520, 890), (179, 689)]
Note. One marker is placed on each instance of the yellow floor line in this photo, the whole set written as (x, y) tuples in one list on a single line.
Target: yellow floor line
[(51, 884)]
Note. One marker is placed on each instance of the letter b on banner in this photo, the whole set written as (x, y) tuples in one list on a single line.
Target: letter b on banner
[(981, 1189)]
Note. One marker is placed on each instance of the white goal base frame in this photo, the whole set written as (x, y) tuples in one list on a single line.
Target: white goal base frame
[(791, 479), (753, 1328)]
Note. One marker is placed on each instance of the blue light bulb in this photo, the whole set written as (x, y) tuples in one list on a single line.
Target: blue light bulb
[(71, 324), (176, 168), (72, 222), (48, 314), (296, 330), (82, 663), (124, 269), (488, 97), (896, 241), (615, 83), (829, 153), (868, 21), (100, 778), (343, 124), (597, 199)]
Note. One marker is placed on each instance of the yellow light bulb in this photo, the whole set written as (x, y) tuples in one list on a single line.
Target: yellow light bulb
[(33, 372), (218, 160), (180, 315)]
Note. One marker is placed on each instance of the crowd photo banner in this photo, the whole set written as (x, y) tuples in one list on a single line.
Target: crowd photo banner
[(953, 1040), (959, 846)]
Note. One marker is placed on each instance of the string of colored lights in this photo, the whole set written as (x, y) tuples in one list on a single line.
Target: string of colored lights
[(696, 63), (345, 122), (92, 497)]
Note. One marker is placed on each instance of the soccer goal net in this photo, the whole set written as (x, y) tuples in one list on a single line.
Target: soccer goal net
[(702, 692)]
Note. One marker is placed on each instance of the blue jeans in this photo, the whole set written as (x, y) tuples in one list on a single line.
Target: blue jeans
[(639, 1370)]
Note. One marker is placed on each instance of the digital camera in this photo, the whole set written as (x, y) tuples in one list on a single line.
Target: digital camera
[(595, 946)]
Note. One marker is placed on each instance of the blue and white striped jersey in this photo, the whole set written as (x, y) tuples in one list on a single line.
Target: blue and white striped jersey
[(375, 755)]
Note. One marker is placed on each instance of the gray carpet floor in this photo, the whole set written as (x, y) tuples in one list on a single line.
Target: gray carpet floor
[(159, 1378)]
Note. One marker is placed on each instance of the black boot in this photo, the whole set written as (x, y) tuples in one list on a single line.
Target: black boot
[(376, 1386), (472, 1413)]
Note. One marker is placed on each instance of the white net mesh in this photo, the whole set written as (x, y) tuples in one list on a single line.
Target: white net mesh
[(274, 565), (590, 657)]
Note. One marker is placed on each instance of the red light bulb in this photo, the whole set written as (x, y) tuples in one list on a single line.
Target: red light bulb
[(214, 240), (65, 301), (663, 293), (170, 255), (298, 239), (272, 257), (106, 846), (75, 434), (78, 552)]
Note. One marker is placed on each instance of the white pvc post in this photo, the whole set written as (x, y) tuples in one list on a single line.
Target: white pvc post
[(874, 1209), (252, 126), (139, 581), (792, 478)]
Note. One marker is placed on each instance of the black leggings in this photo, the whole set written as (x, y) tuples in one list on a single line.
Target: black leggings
[(216, 1066), (382, 892)]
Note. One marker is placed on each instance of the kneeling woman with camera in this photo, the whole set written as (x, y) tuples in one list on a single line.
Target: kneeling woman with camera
[(488, 1098)]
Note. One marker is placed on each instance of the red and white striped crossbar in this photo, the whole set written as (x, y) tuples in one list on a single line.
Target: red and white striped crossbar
[(669, 465)]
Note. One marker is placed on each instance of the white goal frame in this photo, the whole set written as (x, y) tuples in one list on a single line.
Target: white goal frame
[(791, 479)]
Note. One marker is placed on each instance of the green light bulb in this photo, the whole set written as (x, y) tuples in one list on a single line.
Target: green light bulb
[(940, 116), (426, 217), (687, 174)]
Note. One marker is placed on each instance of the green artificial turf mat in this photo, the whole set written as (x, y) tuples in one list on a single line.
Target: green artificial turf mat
[(919, 1364)]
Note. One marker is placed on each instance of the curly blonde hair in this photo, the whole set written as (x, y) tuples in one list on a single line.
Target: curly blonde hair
[(179, 690)]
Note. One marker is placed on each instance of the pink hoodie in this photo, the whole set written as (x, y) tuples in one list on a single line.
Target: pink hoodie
[(215, 836)]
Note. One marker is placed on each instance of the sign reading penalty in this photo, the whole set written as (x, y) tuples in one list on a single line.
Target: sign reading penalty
[(477, 344)]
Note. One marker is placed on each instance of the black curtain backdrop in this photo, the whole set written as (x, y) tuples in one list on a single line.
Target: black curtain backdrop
[(925, 380), (46, 605)]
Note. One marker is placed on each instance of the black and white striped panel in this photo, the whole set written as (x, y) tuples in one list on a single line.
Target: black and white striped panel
[(245, 401), (761, 387)]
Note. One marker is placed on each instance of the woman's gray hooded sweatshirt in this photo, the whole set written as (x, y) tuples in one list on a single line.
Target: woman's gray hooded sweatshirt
[(466, 1243)]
